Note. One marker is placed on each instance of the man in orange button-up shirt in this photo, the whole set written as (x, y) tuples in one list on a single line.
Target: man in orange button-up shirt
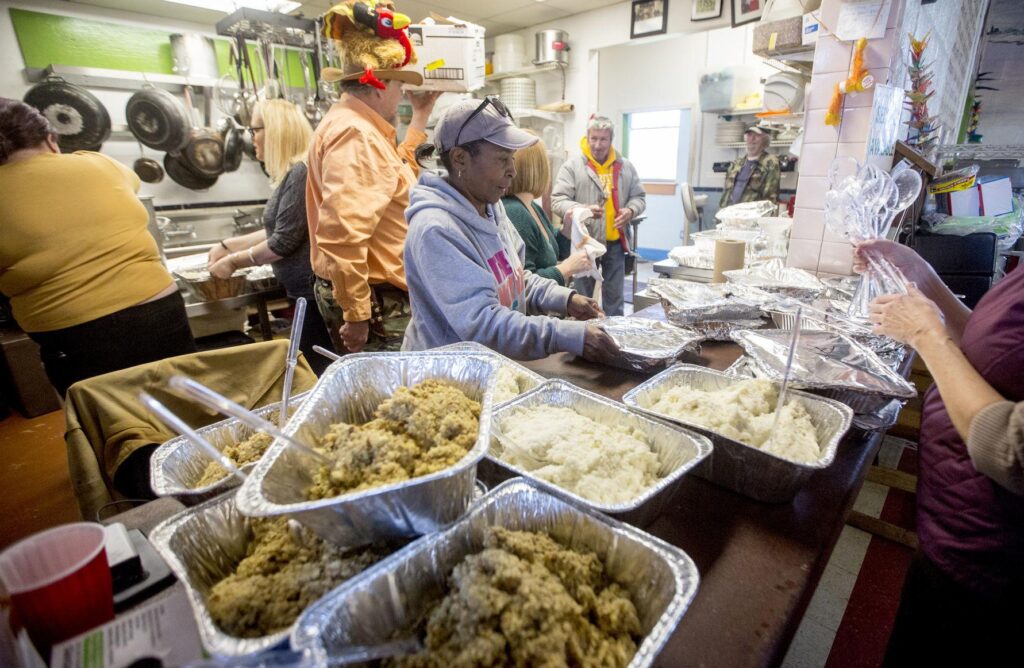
[(356, 195)]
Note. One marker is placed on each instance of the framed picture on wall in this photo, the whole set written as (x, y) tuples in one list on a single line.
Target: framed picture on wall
[(746, 11), (703, 10), (649, 17)]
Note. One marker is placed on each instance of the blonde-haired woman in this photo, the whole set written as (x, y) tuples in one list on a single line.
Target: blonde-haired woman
[(547, 250), (281, 135)]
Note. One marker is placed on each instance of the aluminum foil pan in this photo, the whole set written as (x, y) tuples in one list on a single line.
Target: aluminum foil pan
[(648, 345), (525, 378), (203, 545), (178, 464), (350, 392), (824, 360), (678, 450), (261, 278), (773, 276), (743, 468), (390, 598), (689, 304)]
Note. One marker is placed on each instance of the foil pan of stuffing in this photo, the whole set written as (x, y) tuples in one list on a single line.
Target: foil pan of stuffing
[(824, 360), (394, 597), (350, 392), (177, 467), (557, 467), (773, 276), (205, 544), (648, 345), (511, 379), (743, 468)]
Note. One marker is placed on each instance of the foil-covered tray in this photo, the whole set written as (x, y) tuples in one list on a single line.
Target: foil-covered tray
[(648, 345), (679, 451), (350, 392), (203, 545), (178, 464), (774, 276), (825, 360), (391, 597), (743, 468), (525, 378), (688, 304)]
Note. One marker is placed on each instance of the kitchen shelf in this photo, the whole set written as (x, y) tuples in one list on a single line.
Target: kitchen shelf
[(982, 151), (554, 116), (96, 77), (525, 72), (741, 144)]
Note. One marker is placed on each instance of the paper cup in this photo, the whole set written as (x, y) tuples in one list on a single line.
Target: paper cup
[(59, 582)]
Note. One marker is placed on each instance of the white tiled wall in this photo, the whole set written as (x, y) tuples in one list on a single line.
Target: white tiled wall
[(813, 246)]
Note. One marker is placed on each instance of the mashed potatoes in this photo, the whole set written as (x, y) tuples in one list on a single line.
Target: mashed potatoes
[(506, 385), (526, 600), (602, 463), (744, 412)]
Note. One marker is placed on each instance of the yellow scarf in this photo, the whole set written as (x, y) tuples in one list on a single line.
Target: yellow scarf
[(604, 172)]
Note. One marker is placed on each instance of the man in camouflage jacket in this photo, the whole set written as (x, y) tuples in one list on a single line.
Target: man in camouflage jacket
[(754, 176)]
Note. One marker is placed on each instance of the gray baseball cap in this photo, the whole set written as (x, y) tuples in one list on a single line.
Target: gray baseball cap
[(463, 123)]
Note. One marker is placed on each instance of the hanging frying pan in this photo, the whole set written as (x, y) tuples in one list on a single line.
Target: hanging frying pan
[(147, 169), (248, 148), (204, 152), (182, 174), (232, 146), (78, 118), (158, 119)]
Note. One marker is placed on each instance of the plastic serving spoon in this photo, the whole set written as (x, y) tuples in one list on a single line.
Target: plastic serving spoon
[(179, 425), (198, 392), (292, 359), (793, 342)]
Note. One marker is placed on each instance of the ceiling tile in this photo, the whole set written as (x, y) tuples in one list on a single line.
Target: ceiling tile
[(480, 9), (579, 6), (494, 28), (530, 16)]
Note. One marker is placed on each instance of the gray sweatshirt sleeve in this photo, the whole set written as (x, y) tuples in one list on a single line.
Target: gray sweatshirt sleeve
[(563, 193), (470, 302)]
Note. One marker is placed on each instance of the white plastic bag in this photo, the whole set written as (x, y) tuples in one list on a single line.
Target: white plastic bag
[(581, 240)]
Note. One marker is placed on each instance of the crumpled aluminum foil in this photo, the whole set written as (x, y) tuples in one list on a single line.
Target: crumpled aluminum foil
[(710, 309), (743, 468), (648, 345), (774, 276), (391, 598), (678, 450), (825, 360), (350, 391)]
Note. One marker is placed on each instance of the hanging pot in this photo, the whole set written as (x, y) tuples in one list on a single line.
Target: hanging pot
[(79, 119), (248, 148), (147, 169), (182, 174), (204, 151), (158, 120), (232, 146)]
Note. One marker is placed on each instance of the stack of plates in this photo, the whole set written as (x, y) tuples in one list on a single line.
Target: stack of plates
[(519, 93), (729, 132)]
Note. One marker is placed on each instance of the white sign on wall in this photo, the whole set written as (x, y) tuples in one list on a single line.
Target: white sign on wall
[(886, 113)]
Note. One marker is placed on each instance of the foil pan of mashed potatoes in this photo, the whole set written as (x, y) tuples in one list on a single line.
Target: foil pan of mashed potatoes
[(420, 586), (511, 379), (182, 469), (592, 450), (346, 398), (248, 580), (648, 345), (695, 397)]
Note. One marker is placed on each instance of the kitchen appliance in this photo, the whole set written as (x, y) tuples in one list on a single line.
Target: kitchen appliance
[(79, 119), (552, 46)]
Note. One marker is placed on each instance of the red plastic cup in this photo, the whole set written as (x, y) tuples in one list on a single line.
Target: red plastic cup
[(59, 583)]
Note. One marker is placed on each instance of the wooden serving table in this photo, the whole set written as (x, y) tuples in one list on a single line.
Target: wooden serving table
[(759, 563)]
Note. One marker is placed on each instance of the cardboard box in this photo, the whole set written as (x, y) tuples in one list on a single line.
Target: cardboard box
[(990, 196), (778, 37), (450, 56)]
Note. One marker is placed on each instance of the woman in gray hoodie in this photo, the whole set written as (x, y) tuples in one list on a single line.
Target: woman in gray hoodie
[(464, 259)]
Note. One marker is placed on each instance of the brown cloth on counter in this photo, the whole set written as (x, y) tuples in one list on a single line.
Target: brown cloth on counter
[(105, 422)]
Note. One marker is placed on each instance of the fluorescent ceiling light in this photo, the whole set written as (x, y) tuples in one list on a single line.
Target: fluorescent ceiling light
[(228, 6)]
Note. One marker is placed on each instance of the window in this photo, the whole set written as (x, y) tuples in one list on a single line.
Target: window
[(653, 144)]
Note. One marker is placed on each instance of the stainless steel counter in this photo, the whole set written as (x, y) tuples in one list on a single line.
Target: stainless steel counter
[(257, 299)]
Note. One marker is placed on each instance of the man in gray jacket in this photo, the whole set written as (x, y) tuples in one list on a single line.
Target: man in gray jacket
[(606, 183)]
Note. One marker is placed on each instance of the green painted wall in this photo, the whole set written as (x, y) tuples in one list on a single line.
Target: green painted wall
[(49, 39)]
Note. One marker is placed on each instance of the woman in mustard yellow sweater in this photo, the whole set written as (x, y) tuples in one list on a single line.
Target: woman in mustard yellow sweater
[(81, 270)]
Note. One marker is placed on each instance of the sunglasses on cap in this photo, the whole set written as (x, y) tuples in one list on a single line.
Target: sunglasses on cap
[(492, 100)]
